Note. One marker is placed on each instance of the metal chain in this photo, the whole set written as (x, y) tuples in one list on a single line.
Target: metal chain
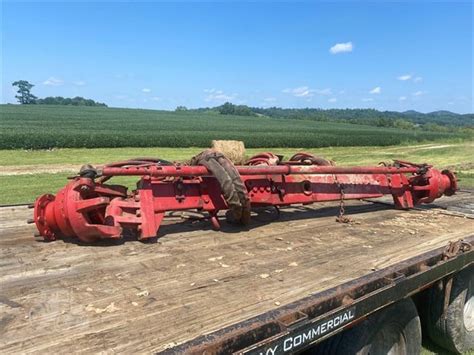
[(341, 218)]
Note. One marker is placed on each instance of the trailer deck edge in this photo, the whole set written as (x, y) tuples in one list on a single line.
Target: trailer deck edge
[(308, 321)]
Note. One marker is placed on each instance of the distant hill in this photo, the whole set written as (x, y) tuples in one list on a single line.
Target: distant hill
[(412, 112), (438, 120), (441, 117), (443, 113)]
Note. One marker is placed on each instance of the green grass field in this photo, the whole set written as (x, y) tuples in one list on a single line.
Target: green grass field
[(25, 174), (41, 145), (43, 127)]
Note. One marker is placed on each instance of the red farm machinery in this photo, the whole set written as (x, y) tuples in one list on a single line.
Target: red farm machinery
[(90, 209)]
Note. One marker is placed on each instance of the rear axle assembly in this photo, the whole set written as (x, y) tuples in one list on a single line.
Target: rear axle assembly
[(90, 209)]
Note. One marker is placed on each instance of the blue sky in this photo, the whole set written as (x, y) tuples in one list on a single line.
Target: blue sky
[(389, 56)]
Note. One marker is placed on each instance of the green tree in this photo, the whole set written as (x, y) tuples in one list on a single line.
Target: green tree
[(75, 101), (226, 109), (403, 124), (238, 110), (24, 97)]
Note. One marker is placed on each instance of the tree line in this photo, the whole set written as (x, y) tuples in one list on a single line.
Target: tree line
[(407, 119), (25, 97), (439, 121)]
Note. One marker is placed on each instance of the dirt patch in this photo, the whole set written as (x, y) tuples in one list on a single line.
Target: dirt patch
[(38, 169), (461, 166), (440, 146)]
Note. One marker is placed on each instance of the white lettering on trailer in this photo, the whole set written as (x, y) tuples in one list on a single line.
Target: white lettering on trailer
[(270, 351), (314, 332)]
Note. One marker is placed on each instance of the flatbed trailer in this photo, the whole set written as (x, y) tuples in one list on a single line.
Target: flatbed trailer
[(284, 285)]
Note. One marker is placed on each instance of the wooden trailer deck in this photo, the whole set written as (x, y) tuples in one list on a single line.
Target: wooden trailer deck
[(61, 297)]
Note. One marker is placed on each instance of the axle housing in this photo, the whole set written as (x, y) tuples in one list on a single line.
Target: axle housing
[(90, 209)]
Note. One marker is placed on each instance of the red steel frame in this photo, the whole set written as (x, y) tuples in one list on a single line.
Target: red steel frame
[(89, 209)]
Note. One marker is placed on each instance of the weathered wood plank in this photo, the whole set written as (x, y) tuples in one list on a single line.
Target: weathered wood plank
[(62, 297)]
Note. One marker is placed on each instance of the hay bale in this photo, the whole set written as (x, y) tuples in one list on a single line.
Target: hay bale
[(233, 150)]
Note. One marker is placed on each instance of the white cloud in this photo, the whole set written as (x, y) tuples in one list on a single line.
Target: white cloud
[(79, 83), (341, 48), (306, 92), (402, 98), (332, 99), (146, 90), (302, 91), (368, 99), (404, 77), (326, 91), (418, 93), (156, 98), (269, 99), (52, 81), (376, 90), (218, 95)]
